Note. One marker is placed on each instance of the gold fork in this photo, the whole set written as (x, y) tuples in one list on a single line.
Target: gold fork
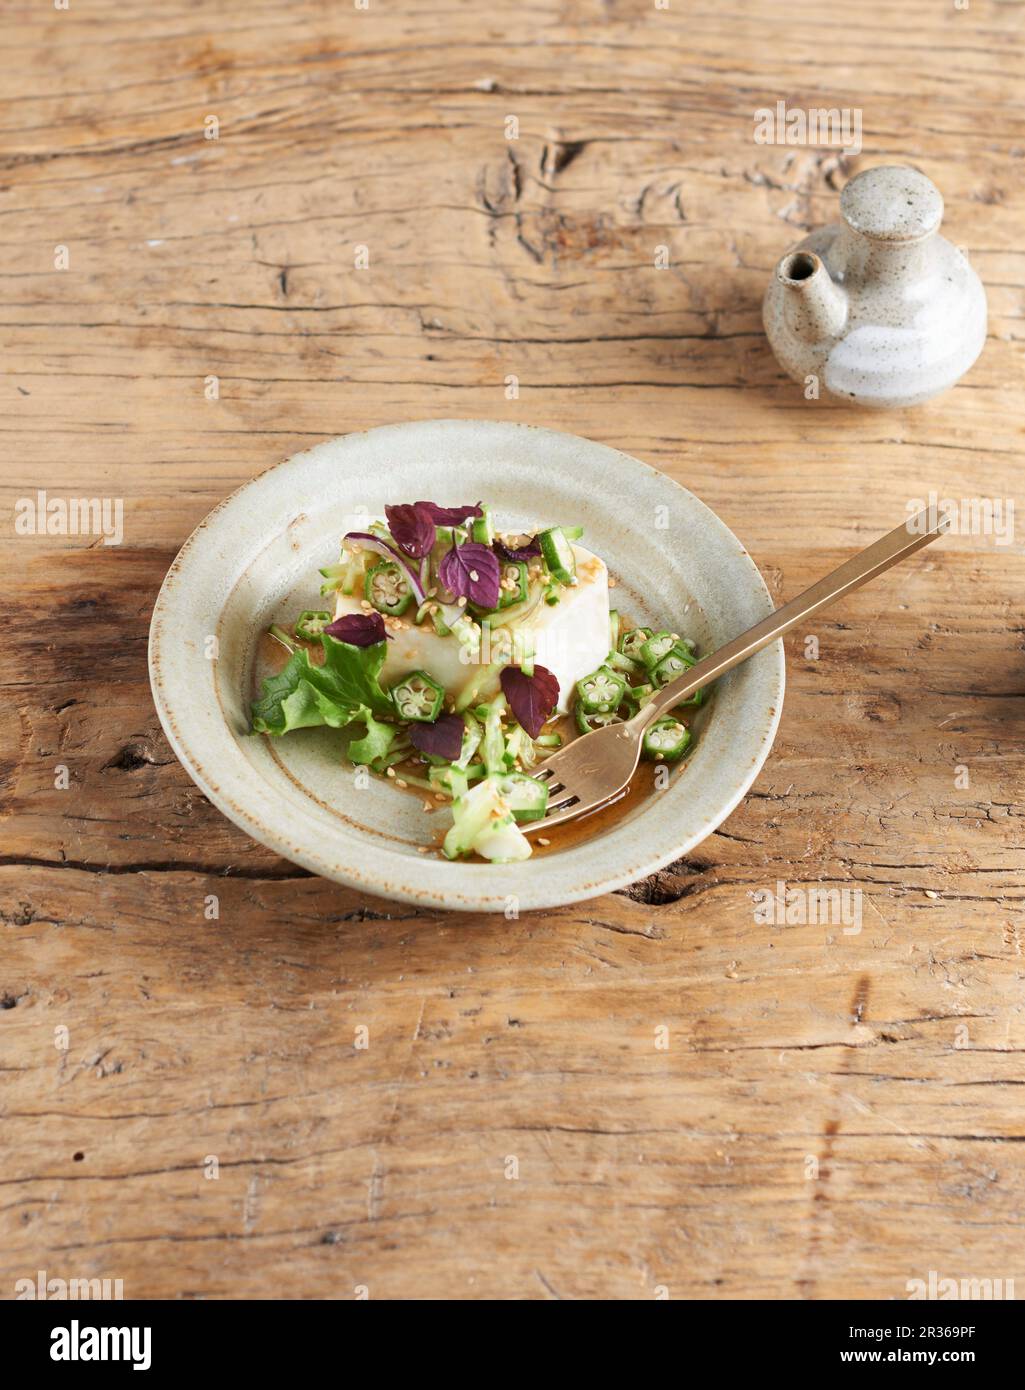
[(595, 769)]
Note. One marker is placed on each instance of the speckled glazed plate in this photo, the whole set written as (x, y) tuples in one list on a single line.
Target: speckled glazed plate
[(254, 560)]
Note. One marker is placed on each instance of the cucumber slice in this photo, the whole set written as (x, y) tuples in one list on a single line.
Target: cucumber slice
[(495, 752), (482, 821), (526, 798), (483, 528), (558, 555)]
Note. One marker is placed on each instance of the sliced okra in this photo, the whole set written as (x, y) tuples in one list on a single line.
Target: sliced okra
[(630, 643), (514, 581), (388, 588), (418, 697), (587, 723), (665, 741), (673, 664), (309, 625), (601, 692), (656, 647)]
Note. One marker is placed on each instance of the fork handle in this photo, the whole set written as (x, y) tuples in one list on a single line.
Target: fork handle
[(889, 550)]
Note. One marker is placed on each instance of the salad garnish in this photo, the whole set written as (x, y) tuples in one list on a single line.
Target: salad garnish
[(532, 698), (471, 571), (358, 629), (527, 551), (442, 739), (413, 529), (431, 658)]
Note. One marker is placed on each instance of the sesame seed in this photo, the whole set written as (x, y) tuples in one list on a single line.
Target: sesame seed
[(542, 841), (391, 772), (422, 849), (400, 783)]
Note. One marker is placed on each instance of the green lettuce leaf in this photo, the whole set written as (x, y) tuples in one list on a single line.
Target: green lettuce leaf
[(375, 743), (303, 695)]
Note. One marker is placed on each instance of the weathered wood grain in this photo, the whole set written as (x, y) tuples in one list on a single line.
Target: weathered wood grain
[(834, 1113)]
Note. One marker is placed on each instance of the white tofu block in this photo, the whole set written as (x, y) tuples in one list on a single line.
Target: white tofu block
[(570, 638)]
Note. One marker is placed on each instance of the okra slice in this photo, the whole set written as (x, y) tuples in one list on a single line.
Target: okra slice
[(418, 697), (614, 622), (388, 589), (619, 662), (673, 664), (601, 692), (656, 647), (309, 625), (558, 555), (631, 642), (637, 695), (526, 798), (665, 741), (698, 698), (587, 723), (514, 573)]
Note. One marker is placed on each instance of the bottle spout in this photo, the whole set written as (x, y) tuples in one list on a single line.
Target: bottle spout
[(814, 305)]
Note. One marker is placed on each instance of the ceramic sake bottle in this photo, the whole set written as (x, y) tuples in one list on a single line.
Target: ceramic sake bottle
[(879, 308)]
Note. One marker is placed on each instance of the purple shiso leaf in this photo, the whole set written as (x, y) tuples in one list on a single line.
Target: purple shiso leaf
[(389, 552), (472, 571), (412, 529), (358, 629), (531, 698), (448, 516), (523, 552), (442, 739)]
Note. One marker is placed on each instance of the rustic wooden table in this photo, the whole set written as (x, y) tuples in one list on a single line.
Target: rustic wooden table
[(182, 1105)]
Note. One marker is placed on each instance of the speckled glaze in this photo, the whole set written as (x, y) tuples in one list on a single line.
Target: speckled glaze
[(879, 307), (254, 560)]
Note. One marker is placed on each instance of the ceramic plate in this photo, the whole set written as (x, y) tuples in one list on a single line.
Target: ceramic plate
[(254, 560)]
